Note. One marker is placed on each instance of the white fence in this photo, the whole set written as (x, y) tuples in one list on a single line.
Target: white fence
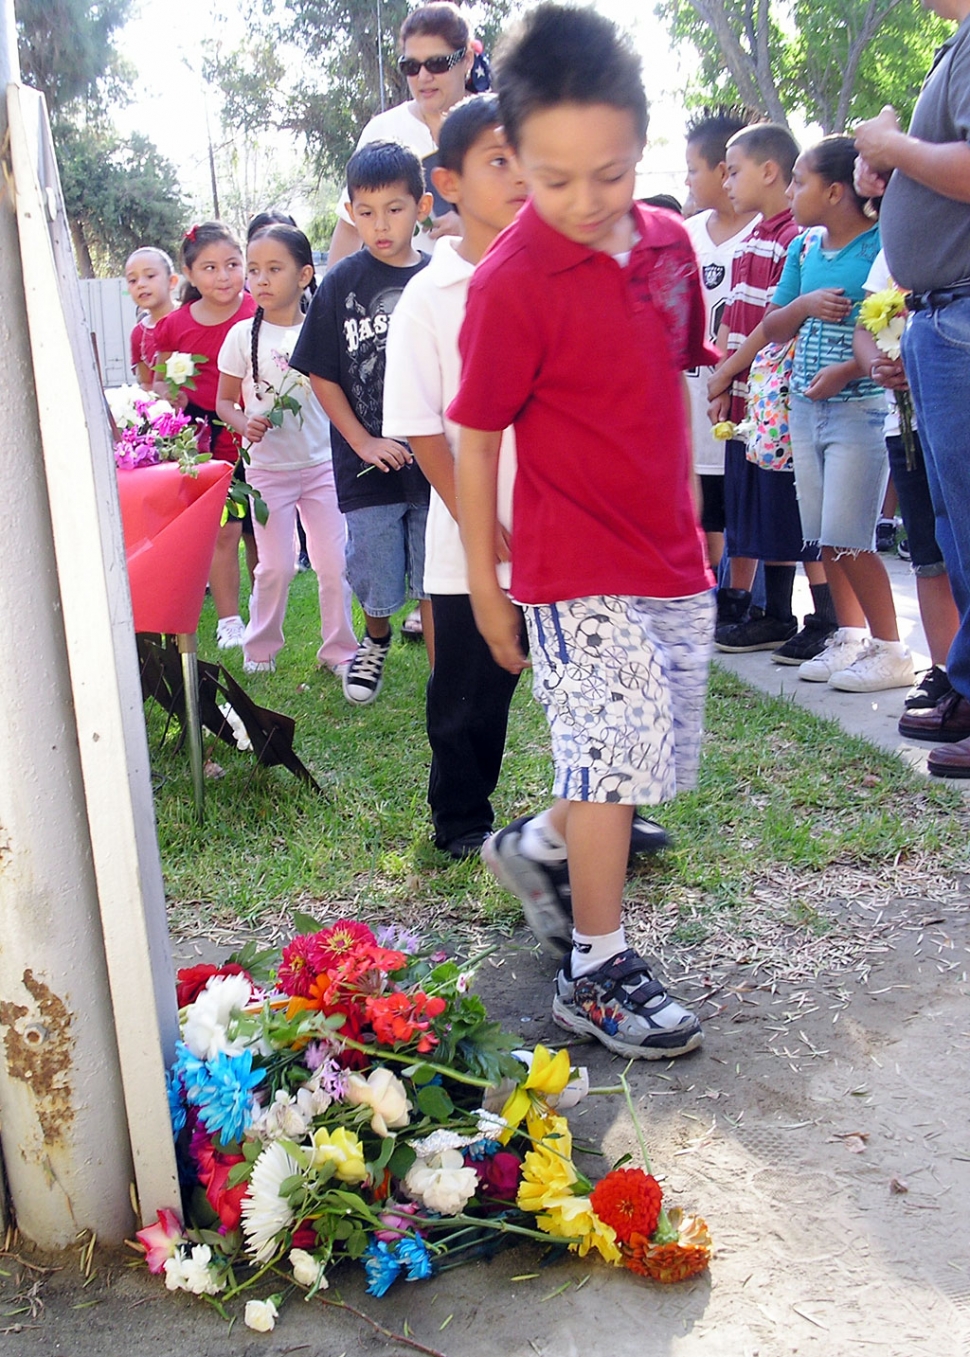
[(110, 316)]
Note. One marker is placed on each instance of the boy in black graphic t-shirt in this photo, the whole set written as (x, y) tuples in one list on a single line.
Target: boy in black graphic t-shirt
[(341, 348)]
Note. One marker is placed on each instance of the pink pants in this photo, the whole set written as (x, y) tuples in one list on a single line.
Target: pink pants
[(311, 490)]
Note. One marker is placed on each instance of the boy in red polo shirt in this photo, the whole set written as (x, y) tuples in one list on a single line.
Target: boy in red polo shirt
[(580, 323)]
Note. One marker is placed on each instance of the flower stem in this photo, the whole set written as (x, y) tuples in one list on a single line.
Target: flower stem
[(388, 1333), (383, 1054), (665, 1233)]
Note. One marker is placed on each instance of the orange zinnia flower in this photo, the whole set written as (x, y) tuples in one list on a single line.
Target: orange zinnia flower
[(687, 1255)]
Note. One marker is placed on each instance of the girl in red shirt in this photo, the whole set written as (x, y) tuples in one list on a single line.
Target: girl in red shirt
[(213, 300)]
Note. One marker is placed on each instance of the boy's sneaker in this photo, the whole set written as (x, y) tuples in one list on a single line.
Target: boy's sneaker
[(877, 668), (543, 887), (259, 666), (625, 1007), (646, 836), (364, 675), (805, 644), (885, 534), (902, 549), (302, 562), (757, 633), (839, 651), (929, 689), (230, 632)]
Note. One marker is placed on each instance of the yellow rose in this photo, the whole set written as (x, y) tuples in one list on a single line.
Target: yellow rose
[(384, 1094), (343, 1149), (724, 430)]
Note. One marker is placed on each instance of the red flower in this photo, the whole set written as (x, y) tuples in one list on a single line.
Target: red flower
[(226, 1201), (629, 1200), (299, 966), (192, 980), (305, 1236), (498, 1175), (333, 944), (397, 1018)]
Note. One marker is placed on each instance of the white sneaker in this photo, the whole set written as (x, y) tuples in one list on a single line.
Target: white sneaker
[(259, 666), (841, 649), (364, 675), (881, 665), (230, 632)]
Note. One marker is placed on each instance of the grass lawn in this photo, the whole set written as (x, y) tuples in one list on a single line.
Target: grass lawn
[(781, 792)]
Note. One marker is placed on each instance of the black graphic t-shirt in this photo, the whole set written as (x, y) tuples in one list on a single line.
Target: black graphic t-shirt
[(343, 341)]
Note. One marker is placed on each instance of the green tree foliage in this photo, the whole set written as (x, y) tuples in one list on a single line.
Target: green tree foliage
[(118, 193), (832, 61)]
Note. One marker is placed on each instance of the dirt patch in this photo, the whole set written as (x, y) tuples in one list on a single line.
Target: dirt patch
[(823, 1130)]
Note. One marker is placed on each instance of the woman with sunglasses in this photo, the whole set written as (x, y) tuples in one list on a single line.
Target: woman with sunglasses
[(436, 58)]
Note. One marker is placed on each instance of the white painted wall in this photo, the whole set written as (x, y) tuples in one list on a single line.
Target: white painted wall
[(110, 316)]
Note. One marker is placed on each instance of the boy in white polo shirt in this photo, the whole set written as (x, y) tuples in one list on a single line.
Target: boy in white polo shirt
[(468, 693)]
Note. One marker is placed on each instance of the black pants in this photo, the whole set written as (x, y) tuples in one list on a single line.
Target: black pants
[(467, 715)]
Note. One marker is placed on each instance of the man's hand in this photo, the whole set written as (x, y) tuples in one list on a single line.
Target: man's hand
[(889, 372), (868, 184), (877, 140)]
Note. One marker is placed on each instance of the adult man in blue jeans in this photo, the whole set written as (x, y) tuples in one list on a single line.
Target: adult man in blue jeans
[(925, 223)]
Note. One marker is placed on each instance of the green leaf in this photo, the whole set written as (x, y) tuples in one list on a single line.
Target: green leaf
[(383, 1159), (356, 1244), (302, 923), (420, 1074), (435, 1103), (401, 1160), (239, 1173)]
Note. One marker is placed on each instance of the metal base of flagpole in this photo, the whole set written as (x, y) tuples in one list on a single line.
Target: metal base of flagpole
[(189, 650)]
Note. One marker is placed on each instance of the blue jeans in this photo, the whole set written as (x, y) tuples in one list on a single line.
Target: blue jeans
[(936, 352), (839, 455)]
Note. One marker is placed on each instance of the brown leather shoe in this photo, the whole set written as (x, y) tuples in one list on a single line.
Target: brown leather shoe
[(952, 760), (945, 723)]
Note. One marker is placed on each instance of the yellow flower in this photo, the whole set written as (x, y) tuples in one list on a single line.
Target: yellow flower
[(573, 1218), (343, 1149), (879, 308), (724, 430), (547, 1074), (548, 1174)]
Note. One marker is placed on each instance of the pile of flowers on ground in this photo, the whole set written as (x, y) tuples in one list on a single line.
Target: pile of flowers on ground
[(152, 431), (351, 1099)]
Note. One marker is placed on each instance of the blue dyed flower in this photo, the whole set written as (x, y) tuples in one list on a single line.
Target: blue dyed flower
[(176, 1107), (189, 1071), (481, 1149), (413, 1254), (381, 1267), (225, 1101)]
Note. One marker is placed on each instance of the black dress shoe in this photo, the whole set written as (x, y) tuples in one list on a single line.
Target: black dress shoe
[(465, 845), (946, 723), (952, 760)]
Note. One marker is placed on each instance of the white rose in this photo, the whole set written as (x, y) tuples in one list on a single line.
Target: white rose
[(384, 1093), (306, 1270), (179, 368), (261, 1315), (441, 1183), (121, 402), (206, 1020)]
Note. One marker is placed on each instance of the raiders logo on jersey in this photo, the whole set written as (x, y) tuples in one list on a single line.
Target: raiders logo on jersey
[(713, 276)]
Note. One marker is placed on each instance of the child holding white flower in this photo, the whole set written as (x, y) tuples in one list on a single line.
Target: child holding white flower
[(212, 302), (837, 415), (272, 406)]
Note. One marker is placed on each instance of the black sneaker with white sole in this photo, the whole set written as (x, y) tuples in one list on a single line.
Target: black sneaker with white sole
[(364, 675), (543, 887), (623, 1005)]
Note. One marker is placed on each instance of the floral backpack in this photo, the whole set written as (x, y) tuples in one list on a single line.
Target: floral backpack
[(768, 436)]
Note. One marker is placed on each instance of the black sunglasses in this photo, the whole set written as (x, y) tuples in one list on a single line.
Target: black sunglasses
[(434, 65)]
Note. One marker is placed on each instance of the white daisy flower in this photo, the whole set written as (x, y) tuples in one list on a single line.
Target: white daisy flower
[(264, 1212)]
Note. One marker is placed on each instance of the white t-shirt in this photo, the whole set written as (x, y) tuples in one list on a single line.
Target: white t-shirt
[(879, 278), (420, 380), (293, 444), (399, 123), (714, 262)]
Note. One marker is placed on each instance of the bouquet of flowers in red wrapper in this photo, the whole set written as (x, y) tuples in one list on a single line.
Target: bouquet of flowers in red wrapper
[(152, 431), (349, 1099)]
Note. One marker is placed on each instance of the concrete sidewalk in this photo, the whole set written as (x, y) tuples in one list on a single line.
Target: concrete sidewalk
[(872, 715)]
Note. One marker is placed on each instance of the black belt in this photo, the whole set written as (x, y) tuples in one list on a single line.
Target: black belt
[(939, 297)]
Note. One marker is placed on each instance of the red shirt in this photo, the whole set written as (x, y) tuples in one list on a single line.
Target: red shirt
[(755, 272), (584, 357), (180, 332)]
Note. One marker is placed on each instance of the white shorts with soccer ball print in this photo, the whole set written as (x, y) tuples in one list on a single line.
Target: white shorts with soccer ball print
[(623, 682)]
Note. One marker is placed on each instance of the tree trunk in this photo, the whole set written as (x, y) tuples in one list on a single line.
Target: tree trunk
[(82, 254), (751, 70)]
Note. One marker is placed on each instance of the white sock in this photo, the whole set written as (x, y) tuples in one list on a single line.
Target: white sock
[(541, 841), (894, 647), (853, 633), (590, 951)]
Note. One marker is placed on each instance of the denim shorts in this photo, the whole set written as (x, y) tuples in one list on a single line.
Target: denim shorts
[(623, 682), (841, 469), (385, 555)]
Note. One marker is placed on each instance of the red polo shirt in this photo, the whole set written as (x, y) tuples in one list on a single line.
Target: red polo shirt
[(584, 358)]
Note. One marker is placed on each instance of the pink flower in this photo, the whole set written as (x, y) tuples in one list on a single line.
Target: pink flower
[(498, 1175), (395, 1222), (162, 1239)]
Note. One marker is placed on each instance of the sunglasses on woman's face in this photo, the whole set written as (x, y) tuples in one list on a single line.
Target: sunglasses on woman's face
[(410, 67)]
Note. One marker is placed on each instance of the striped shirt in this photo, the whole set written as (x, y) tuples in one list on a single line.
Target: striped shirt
[(754, 274)]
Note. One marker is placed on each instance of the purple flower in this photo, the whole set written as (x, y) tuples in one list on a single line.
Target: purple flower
[(398, 939)]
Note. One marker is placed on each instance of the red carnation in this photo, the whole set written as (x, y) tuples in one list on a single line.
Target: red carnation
[(629, 1200), (498, 1175), (193, 980)]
